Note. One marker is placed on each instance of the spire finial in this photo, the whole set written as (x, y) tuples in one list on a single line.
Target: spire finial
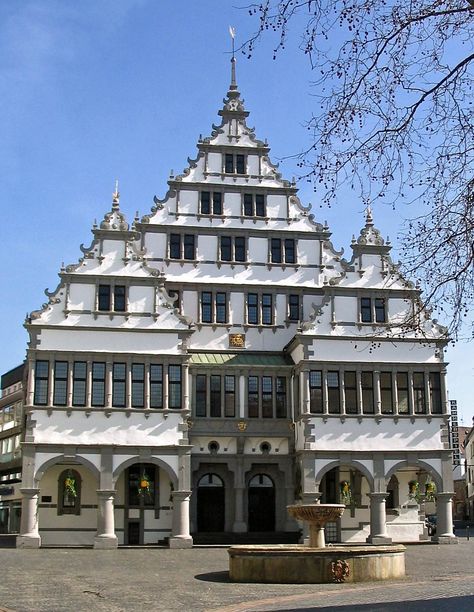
[(368, 215), (233, 82), (116, 195)]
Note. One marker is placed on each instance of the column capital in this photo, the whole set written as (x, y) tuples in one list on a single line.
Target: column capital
[(181, 495), (106, 492), (378, 495), (444, 496), (29, 492)]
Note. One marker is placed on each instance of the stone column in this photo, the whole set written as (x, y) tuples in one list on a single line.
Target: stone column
[(239, 525), (378, 527), (105, 537), (444, 528), (29, 535), (308, 498), (180, 537)]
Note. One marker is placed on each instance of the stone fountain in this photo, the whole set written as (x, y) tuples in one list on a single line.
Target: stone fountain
[(316, 562)]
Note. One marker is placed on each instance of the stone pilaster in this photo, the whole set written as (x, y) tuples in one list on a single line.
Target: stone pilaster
[(105, 537), (180, 537), (29, 535)]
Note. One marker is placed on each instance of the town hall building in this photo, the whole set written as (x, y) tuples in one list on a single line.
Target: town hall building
[(208, 364)]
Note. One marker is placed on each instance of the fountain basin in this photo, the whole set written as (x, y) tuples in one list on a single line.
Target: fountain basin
[(296, 564)]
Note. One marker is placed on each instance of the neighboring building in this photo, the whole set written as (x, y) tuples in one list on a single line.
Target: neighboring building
[(469, 476), (460, 506), (11, 427), (200, 370)]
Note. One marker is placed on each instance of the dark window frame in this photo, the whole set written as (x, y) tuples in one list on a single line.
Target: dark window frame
[(60, 384), (79, 383), (156, 385), (96, 382), (41, 394), (316, 403), (175, 385), (294, 307), (254, 205)]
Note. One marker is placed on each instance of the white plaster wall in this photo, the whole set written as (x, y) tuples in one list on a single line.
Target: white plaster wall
[(77, 339), (368, 435), (276, 205), (81, 297), (140, 299), (208, 247), (258, 249), (279, 446), (116, 429), (227, 445)]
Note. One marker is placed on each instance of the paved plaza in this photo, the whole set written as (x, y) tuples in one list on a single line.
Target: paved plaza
[(438, 578)]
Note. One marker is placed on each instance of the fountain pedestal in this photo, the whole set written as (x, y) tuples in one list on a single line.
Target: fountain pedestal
[(315, 563)]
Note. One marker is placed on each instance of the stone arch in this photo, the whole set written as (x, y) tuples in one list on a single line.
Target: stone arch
[(438, 479), (224, 472), (78, 460), (338, 463), (149, 459)]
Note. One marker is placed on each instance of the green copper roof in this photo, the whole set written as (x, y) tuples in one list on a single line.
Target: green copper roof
[(240, 359)]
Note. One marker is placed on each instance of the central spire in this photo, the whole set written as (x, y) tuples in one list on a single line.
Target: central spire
[(233, 82)]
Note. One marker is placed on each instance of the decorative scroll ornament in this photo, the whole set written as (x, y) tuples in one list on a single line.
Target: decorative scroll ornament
[(340, 570)]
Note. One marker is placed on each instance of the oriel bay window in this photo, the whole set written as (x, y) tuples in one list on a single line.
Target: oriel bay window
[(229, 396), (232, 248), (386, 393), (419, 392), (211, 203), (60, 383), (266, 397), (215, 398), (79, 383), (252, 396), (119, 385), (98, 384), (41, 382), (221, 398), (334, 405), (316, 391)]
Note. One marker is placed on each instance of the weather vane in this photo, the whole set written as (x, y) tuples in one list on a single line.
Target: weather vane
[(232, 35)]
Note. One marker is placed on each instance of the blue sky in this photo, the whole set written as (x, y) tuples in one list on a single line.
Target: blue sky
[(97, 90)]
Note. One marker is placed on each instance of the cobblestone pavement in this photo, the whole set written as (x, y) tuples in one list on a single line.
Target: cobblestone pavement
[(439, 578)]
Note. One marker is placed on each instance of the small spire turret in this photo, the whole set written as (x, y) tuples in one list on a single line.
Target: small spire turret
[(116, 196), (233, 80)]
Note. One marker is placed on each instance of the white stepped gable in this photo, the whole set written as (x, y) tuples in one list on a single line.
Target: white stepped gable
[(114, 257), (284, 209), (370, 270)]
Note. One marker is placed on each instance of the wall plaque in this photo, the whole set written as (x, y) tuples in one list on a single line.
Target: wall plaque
[(237, 340)]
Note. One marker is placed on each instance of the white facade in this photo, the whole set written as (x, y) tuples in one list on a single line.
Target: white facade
[(204, 368)]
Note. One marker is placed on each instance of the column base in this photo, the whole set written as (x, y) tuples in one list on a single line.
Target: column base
[(446, 540), (105, 543), (180, 542), (239, 527), (379, 540), (23, 541)]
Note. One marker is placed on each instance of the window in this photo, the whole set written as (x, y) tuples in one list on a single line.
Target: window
[(294, 307), (142, 485), (233, 249), (259, 309), (282, 251), (182, 246), (254, 205), (372, 310), (60, 383), (281, 397), (234, 163), (267, 397), (201, 395), (211, 203), (229, 396), (69, 492), (350, 393), (105, 295), (316, 391), (333, 392), (252, 396), (367, 392), (174, 386), (402, 392), (213, 307), (79, 383), (419, 392), (98, 384), (138, 385), (156, 386), (435, 393), (119, 384), (215, 399), (41, 382), (386, 394)]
